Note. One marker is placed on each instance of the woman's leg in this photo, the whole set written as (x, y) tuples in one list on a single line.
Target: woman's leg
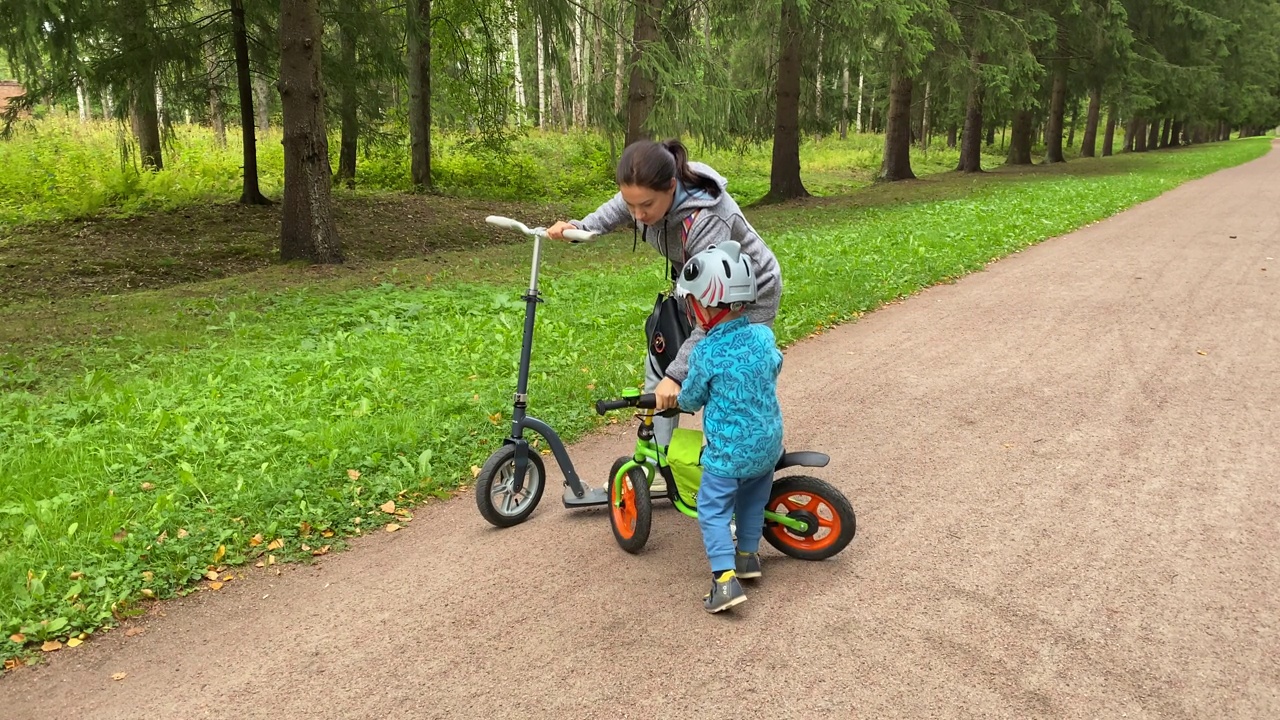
[(662, 427)]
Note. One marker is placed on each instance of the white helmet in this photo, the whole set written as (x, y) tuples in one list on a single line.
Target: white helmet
[(718, 276)]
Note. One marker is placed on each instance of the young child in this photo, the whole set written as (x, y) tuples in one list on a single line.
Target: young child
[(733, 373)]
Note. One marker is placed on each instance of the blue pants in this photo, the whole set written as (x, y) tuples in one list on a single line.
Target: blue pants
[(720, 499)]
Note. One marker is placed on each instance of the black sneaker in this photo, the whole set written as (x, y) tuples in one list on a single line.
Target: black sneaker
[(726, 592), (748, 565)]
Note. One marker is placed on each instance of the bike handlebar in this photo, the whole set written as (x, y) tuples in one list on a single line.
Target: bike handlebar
[(648, 401)]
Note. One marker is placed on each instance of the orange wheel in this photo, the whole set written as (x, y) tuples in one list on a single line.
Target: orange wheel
[(826, 511), (630, 507)]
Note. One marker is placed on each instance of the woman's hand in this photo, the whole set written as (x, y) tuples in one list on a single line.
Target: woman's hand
[(556, 232), (667, 393)]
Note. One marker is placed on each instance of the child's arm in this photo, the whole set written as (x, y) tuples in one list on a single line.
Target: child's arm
[(697, 385)]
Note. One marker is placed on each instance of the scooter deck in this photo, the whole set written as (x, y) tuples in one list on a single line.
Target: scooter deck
[(596, 497)]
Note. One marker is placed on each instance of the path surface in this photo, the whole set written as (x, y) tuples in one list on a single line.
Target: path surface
[(1067, 474)]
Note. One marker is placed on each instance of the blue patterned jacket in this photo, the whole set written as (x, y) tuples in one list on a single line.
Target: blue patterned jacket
[(733, 372)]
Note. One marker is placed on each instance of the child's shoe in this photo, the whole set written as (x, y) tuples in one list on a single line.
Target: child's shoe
[(726, 592), (748, 565)]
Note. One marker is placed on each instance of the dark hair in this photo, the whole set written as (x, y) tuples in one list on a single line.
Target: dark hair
[(652, 165)]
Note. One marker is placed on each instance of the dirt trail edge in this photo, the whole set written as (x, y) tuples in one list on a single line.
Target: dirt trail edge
[(1066, 475)]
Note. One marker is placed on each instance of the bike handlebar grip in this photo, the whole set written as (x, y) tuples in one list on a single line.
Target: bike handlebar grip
[(505, 222), (604, 406), (648, 401), (575, 235)]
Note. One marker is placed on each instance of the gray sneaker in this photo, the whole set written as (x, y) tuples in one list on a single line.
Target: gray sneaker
[(726, 592), (748, 565)]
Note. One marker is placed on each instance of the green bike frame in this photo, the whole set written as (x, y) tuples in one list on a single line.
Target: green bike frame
[(650, 458)]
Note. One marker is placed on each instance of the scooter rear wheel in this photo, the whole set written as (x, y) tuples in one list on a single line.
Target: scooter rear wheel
[(496, 497), (632, 519), (825, 509)]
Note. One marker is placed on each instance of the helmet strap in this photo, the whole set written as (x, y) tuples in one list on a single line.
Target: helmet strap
[(709, 323)]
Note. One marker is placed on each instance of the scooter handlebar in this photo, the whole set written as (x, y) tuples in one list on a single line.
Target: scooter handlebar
[(508, 223), (577, 236)]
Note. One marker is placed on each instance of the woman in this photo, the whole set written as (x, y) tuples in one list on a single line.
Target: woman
[(658, 188)]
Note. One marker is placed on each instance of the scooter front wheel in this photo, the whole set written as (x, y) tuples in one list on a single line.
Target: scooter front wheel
[(497, 497), (826, 511)]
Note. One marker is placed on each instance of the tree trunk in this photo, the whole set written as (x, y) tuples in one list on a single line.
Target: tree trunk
[(1071, 129), (419, 51), (844, 103), (597, 67), (145, 120), (991, 134), (108, 105), (1164, 132), (576, 78), (896, 164), (858, 125), (1088, 144), (349, 101), (1140, 136), (924, 118), (784, 177), (1057, 109), (542, 74), (306, 226), (262, 103), (516, 65), (216, 111), (619, 61), (82, 103), (250, 194), (1153, 136), (1131, 134), (971, 138), (641, 91), (817, 86), (1020, 138), (952, 134), (1109, 135), (558, 116), (1175, 134)]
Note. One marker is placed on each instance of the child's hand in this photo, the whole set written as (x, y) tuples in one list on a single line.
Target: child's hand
[(667, 394)]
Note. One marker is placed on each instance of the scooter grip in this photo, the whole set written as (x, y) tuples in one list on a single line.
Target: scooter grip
[(578, 236)]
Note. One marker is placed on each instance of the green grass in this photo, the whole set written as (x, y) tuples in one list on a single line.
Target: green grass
[(58, 169), (132, 464)]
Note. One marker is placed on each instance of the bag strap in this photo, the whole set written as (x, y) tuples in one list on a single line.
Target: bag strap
[(684, 244)]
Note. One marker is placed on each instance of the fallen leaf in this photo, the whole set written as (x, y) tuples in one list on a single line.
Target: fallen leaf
[(120, 535), (256, 540), (134, 631), (182, 532), (591, 386), (392, 527), (495, 418), (211, 575), (148, 575), (306, 547), (321, 551), (227, 577), (51, 646), (260, 564), (74, 642), (1201, 352), (12, 664), (215, 586), (271, 559), (77, 575), (119, 676), (18, 638), (148, 592), (327, 533), (304, 528), (475, 471), (148, 486), (276, 544), (353, 474), (388, 507), (219, 554)]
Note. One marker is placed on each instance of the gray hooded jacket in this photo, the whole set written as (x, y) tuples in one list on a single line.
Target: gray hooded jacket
[(721, 219)]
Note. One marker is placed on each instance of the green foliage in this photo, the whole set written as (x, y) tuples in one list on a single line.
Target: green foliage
[(134, 477)]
